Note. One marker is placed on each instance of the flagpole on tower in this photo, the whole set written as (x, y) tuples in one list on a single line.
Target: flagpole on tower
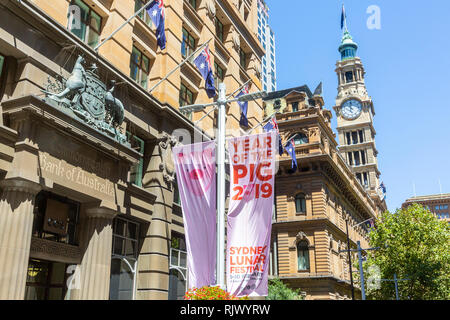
[(344, 19)]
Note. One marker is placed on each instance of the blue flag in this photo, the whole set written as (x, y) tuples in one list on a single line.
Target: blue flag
[(273, 125), (244, 107), (203, 63), (370, 223), (290, 148), (383, 187), (155, 11), (343, 17)]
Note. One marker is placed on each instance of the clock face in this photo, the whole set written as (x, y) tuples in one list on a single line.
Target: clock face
[(351, 109)]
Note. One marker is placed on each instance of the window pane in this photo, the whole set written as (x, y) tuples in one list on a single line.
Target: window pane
[(189, 97), (354, 137), (120, 227), (84, 10), (96, 21), (132, 230), (135, 56), (58, 273), (118, 246), (79, 31), (92, 38), (144, 80), (174, 257), (183, 259), (130, 248), (145, 64)]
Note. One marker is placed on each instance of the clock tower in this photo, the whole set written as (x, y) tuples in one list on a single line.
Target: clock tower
[(355, 113)]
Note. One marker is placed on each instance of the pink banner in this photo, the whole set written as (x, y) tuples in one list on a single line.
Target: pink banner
[(252, 171), (196, 176)]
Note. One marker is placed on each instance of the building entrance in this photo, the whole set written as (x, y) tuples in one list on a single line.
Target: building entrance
[(46, 280)]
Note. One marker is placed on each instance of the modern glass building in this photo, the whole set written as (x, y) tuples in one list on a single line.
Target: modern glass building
[(267, 38)]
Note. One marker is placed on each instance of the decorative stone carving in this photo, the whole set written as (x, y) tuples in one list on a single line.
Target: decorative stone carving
[(166, 144), (299, 237), (41, 248), (85, 96), (236, 39), (211, 6)]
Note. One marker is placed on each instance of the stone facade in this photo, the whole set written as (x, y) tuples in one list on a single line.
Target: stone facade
[(438, 204), (314, 202), (80, 198)]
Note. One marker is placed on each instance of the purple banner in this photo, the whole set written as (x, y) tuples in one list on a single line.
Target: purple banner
[(195, 167), (252, 172)]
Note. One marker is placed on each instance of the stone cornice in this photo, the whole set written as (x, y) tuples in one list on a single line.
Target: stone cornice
[(20, 185), (101, 212), (32, 106)]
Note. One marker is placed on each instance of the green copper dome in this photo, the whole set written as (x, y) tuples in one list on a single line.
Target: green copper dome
[(348, 47)]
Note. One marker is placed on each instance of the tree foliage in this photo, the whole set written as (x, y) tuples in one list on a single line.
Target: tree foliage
[(413, 245), (279, 291)]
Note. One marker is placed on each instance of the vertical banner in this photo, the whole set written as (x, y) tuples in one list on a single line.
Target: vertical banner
[(252, 175), (195, 167)]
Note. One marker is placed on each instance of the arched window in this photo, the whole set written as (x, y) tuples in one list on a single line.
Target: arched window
[(300, 204), (301, 138), (177, 284), (302, 255)]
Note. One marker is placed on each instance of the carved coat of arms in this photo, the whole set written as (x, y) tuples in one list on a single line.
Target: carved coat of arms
[(86, 96)]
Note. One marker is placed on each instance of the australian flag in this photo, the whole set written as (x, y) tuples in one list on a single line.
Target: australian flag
[(290, 148), (273, 125), (343, 17), (156, 12), (203, 63), (370, 223), (383, 189), (244, 107)]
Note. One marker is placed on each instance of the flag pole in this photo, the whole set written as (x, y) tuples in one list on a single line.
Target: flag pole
[(179, 66), (123, 25), (231, 95), (240, 88), (264, 120)]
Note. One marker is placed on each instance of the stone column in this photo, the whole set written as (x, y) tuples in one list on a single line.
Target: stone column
[(95, 268), (16, 223)]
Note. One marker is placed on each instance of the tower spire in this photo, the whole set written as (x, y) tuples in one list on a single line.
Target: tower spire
[(348, 47), (343, 19)]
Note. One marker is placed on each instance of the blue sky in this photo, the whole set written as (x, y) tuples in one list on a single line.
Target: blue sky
[(407, 65)]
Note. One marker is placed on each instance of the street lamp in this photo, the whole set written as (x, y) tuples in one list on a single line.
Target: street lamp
[(350, 258), (221, 134)]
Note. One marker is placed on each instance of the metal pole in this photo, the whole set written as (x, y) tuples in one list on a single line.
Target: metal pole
[(123, 25), (221, 187), (396, 286), (350, 261), (361, 272), (179, 66)]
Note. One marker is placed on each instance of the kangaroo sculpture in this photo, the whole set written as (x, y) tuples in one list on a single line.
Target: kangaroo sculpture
[(75, 83)]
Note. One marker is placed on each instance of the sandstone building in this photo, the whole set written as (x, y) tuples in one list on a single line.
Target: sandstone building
[(88, 206), (438, 204), (330, 192)]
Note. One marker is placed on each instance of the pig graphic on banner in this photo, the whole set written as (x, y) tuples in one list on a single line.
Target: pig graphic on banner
[(195, 167)]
